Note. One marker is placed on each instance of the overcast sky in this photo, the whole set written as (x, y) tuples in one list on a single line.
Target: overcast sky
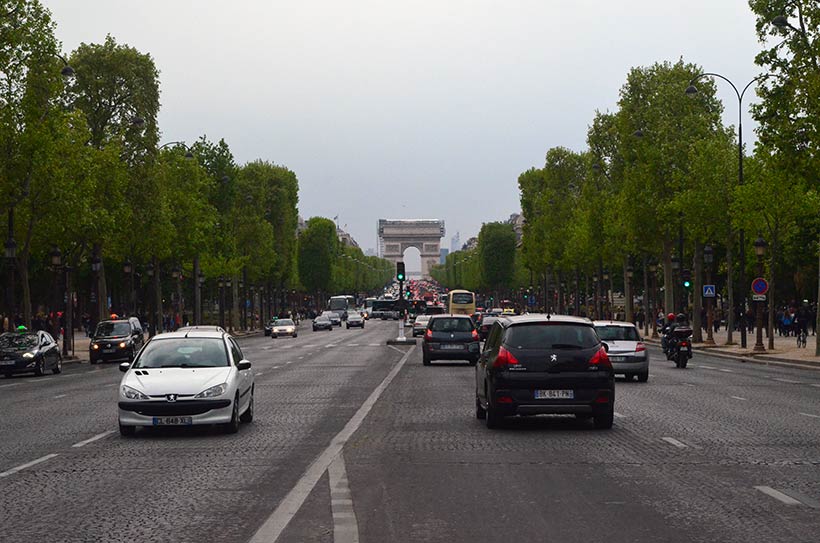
[(416, 109)]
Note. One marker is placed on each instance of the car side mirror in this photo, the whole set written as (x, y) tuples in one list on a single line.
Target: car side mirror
[(125, 366), (244, 365)]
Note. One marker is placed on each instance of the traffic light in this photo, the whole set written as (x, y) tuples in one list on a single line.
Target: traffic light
[(400, 271), (686, 276), (408, 294)]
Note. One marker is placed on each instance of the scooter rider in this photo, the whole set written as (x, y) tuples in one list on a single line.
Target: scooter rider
[(670, 321)]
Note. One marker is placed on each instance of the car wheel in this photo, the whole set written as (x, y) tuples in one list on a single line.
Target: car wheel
[(58, 366), (247, 416), (492, 418), (643, 377), (38, 369), (604, 421), (480, 412), (127, 431), (425, 360), (684, 362), (93, 360), (294, 334), (233, 426)]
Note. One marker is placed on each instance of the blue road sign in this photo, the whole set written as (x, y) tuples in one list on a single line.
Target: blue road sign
[(708, 291)]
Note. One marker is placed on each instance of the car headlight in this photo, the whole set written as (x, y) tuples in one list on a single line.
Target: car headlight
[(29, 355), (94, 346), (123, 345), (214, 391), (133, 394)]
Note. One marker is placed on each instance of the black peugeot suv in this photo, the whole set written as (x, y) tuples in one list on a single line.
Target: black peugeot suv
[(544, 364)]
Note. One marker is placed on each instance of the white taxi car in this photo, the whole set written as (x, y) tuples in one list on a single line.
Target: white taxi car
[(283, 327), (185, 378)]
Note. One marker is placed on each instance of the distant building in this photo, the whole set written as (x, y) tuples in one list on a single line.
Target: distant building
[(345, 238), (301, 225), (517, 222), (443, 252), (370, 252), (455, 243), (471, 244)]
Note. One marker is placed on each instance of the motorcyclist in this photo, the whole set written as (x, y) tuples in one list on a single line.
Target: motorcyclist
[(670, 320)]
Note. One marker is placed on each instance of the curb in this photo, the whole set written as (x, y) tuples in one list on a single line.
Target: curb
[(761, 359)]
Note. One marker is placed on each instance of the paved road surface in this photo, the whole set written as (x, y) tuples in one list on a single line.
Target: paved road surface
[(718, 452)]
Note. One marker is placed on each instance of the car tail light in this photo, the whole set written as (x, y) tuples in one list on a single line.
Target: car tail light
[(683, 344), (600, 360), (505, 358), (475, 336), (428, 335), (504, 399), (640, 348), (603, 397)]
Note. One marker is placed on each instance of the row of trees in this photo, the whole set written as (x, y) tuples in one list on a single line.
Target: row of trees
[(85, 175), (659, 181)]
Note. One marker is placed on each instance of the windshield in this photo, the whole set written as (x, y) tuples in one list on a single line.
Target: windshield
[(451, 325), (322, 318), (551, 336), (617, 333), (111, 329), (338, 304), (183, 353), (285, 322), (18, 341), (462, 298)]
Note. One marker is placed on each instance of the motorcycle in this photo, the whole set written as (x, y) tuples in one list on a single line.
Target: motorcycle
[(679, 346)]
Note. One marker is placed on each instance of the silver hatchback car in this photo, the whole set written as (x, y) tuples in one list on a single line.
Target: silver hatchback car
[(626, 350)]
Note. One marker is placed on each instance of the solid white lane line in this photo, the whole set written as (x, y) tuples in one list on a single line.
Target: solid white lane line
[(21, 467), (789, 381), (374, 344), (352, 345), (688, 384), (619, 415), (675, 442), (60, 396), (345, 526), (277, 367), (739, 398), (706, 367), (810, 415), (725, 370), (776, 494), (92, 439), (11, 385), (817, 385), (273, 527)]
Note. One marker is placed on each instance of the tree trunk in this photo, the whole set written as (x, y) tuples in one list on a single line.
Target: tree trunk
[(770, 319), (197, 293), (817, 315), (628, 313), (697, 289), (23, 262), (235, 302), (577, 292), (558, 279), (646, 308), (102, 288), (157, 297), (668, 279), (730, 292)]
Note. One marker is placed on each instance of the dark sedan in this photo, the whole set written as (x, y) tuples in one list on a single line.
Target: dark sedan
[(116, 340), (322, 323), (542, 364), (354, 320), (450, 337), (29, 352)]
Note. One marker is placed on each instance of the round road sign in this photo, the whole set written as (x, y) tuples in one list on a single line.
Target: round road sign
[(760, 286)]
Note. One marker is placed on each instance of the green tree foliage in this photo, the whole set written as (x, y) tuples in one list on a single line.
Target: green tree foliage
[(496, 255), (318, 251)]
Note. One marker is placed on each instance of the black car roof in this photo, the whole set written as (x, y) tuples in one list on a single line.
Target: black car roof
[(510, 320)]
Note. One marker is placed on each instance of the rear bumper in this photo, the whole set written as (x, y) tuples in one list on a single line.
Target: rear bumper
[(19, 366), (434, 352), (631, 365), (516, 396)]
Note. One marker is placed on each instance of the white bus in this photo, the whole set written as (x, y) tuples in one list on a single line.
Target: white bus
[(341, 304)]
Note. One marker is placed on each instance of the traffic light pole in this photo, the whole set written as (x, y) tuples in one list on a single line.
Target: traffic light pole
[(401, 303)]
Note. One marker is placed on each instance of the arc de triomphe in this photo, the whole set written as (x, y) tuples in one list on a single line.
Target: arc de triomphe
[(397, 235)]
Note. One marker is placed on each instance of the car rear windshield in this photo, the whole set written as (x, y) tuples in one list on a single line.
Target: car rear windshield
[(183, 353), (462, 298), (110, 329), (617, 333), (451, 325), (434, 310), (532, 336)]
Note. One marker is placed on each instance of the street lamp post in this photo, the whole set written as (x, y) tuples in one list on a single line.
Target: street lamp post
[(675, 270), (11, 261), (653, 269), (128, 269), (253, 307), (630, 272), (606, 307), (56, 265), (96, 266), (597, 299), (200, 281), (760, 250), (228, 285), (691, 90), (149, 270), (176, 273), (708, 258), (221, 285)]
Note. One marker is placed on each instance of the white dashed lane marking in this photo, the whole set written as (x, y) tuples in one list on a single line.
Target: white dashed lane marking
[(60, 396), (92, 439), (619, 415), (725, 370), (11, 385), (779, 496), (739, 398), (810, 415), (21, 467), (787, 381), (675, 442)]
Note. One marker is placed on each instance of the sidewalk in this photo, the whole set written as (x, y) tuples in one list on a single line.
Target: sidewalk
[(785, 351), (81, 345)]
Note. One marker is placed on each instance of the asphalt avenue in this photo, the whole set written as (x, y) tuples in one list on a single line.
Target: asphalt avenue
[(354, 440)]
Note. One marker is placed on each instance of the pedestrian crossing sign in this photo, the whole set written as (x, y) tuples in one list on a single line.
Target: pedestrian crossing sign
[(708, 291)]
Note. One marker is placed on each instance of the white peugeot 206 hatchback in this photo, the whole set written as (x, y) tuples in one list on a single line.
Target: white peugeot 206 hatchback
[(185, 378)]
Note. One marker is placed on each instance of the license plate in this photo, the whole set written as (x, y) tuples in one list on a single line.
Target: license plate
[(452, 346), (173, 421), (554, 394), (7, 362), (617, 359), (108, 351)]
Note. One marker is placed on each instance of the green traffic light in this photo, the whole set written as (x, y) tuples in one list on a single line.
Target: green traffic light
[(687, 284)]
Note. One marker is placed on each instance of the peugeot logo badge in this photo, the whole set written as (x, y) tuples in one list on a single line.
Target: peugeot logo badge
[(554, 358), (171, 397)]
